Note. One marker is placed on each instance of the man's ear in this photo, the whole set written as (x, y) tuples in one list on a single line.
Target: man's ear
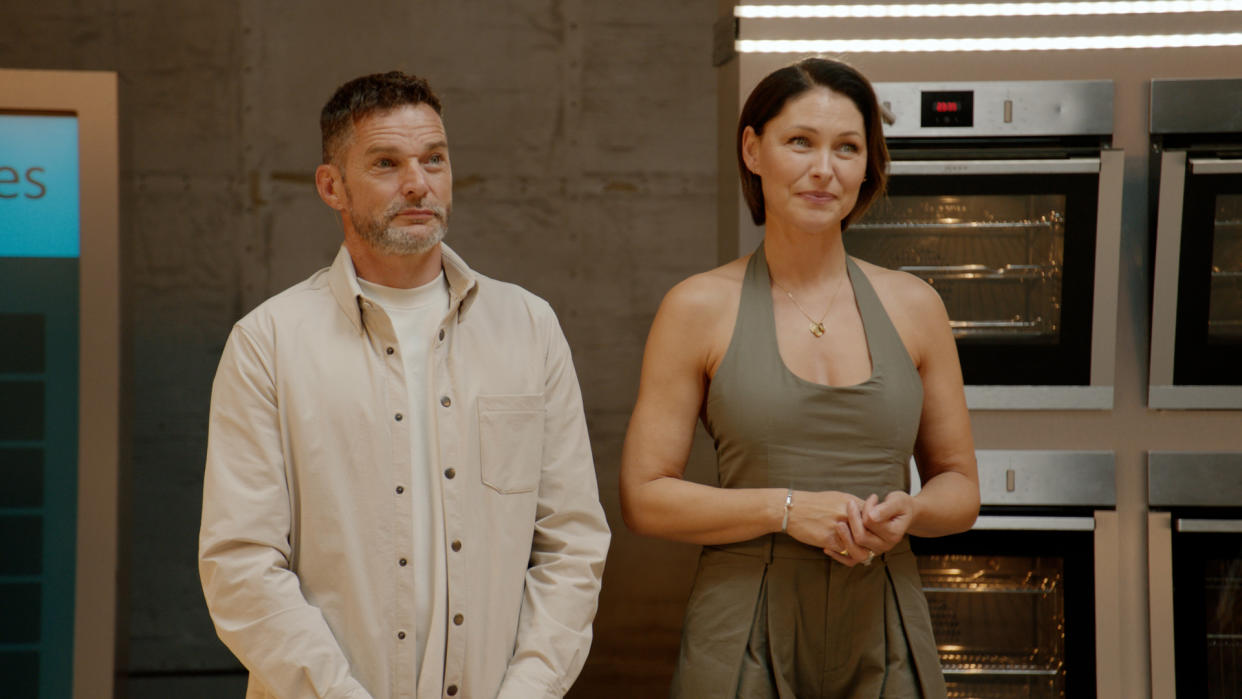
[(331, 186), (750, 149)]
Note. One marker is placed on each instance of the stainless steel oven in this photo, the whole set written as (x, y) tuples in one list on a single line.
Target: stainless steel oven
[(1195, 559), (1006, 198), (1023, 602), (1196, 131)]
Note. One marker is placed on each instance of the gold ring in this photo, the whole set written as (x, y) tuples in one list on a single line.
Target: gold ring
[(844, 552)]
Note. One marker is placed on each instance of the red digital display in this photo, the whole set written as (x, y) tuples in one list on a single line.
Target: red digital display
[(947, 108)]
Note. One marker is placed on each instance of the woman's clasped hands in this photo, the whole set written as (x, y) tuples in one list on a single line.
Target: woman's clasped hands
[(872, 528), (852, 530)]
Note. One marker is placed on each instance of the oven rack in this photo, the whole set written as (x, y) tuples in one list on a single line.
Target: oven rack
[(991, 693), (998, 664), (1014, 228), (992, 590), (999, 328), (972, 272), (958, 582), (1224, 327), (1031, 685), (998, 671)]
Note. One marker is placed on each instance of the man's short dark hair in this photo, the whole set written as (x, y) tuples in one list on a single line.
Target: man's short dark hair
[(361, 97)]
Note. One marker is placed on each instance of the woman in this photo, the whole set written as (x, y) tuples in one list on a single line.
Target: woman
[(818, 376)]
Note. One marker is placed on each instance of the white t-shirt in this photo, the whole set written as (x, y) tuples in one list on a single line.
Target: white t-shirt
[(416, 315)]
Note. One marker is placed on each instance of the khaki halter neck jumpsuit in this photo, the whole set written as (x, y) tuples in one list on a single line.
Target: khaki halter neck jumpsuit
[(772, 617)]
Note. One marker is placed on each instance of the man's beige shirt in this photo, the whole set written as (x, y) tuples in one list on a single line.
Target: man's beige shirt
[(307, 514)]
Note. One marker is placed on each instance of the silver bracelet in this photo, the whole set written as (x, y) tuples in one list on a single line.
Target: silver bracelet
[(788, 507)]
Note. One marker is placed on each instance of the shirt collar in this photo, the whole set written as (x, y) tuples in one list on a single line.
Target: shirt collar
[(343, 281), (463, 282)]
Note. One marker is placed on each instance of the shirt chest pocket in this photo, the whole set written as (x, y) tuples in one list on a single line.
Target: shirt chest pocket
[(511, 441)]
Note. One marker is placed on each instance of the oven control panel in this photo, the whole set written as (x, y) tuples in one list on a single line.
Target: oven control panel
[(997, 109)]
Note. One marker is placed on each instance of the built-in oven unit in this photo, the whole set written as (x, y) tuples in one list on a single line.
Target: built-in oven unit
[(1006, 198), (1023, 603), (1196, 333), (1195, 558)]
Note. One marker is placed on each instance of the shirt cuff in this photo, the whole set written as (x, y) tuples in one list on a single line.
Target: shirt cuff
[(521, 686)]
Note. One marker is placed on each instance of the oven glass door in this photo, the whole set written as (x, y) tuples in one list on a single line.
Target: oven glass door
[(1011, 250), (1012, 612), (1209, 295), (1207, 607)]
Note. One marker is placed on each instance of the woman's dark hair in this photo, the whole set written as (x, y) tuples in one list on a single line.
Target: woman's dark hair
[(361, 97), (769, 98)]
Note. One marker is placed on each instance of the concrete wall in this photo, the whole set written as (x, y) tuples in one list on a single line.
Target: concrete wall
[(582, 136)]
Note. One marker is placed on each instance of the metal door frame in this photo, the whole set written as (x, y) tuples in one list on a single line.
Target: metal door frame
[(1175, 168)]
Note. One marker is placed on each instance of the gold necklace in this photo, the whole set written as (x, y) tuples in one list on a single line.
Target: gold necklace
[(817, 326)]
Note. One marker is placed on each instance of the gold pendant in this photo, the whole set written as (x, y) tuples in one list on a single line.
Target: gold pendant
[(817, 329)]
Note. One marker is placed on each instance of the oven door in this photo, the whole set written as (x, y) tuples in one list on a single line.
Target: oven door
[(1195, 573), (1024, 254), (1013, 606), (1197, 293), (1196, 604)]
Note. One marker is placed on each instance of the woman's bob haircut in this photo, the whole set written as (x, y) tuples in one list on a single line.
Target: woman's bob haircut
[(769, 98)]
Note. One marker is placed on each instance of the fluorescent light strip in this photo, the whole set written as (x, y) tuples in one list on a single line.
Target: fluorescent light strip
[(989, 9), (1017, 43)]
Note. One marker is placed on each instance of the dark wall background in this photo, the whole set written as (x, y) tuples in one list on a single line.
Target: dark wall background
[(582, 136)]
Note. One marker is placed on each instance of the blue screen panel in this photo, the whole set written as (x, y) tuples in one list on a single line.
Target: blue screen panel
[(38, 186), (39, 396)]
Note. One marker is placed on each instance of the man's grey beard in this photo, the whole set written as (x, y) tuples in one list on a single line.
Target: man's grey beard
[(399, 240)]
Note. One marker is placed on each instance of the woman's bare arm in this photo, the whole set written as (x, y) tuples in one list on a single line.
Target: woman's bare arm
[(691, 328), (944, 449)]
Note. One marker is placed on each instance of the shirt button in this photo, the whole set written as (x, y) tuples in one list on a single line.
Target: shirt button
[(401, 635), (402, 562), (456, 545), (400, 489), (458, 619), (450, 472), (446, 401), (390, 350), (452, 690), (398, 417), (441, 333)]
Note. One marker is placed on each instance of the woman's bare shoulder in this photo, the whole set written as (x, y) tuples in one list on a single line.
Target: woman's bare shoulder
[(902, 292), (697, 316), (715, 290), (914, 307)]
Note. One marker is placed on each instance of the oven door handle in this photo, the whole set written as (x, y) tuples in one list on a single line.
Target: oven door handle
[(994, 167), (1034, 523), (1209, 526), (1215, 166)]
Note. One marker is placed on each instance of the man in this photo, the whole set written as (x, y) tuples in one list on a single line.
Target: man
[(399, 497)]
